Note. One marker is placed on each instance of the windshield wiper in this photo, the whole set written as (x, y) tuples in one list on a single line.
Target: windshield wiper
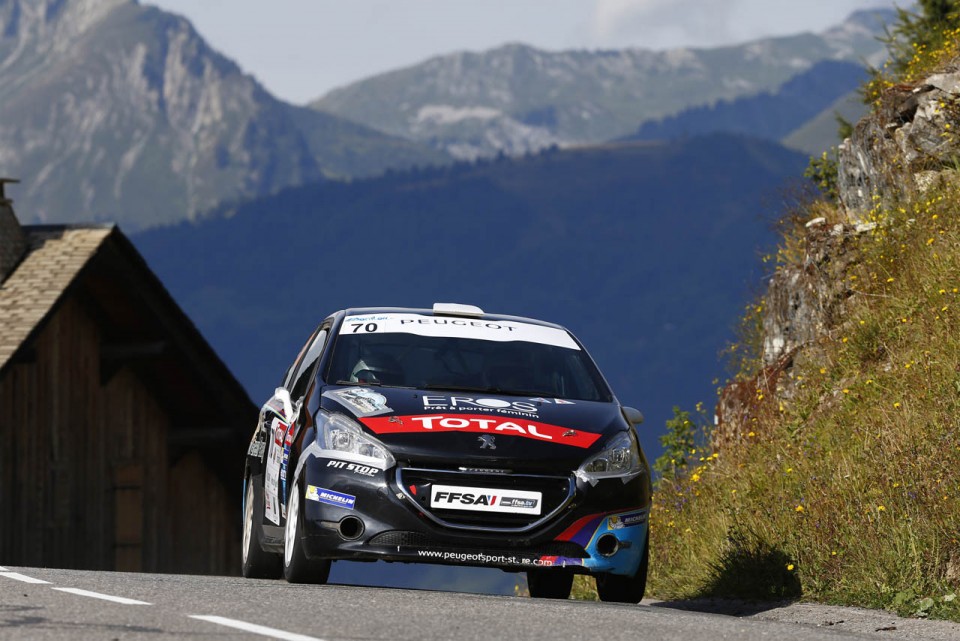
[(375, 383), (464, 388), (484, 390)]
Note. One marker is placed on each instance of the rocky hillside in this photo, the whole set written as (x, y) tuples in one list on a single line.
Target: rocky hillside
[(516, 98), (112, 110), (831, 472)]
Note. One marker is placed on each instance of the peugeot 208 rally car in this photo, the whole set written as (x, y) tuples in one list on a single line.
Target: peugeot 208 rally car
[(448, 436)]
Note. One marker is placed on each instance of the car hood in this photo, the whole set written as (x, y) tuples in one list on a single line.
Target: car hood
[(475, 429)]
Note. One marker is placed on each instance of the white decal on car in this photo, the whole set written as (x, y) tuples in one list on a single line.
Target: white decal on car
[(444, 327), (272, 476), (484, 499), (363, 401)]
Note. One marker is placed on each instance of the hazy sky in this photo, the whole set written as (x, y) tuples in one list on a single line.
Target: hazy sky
[(299, 49)]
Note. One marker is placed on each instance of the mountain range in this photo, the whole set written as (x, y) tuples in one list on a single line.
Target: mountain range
[(774, 115), (516, 98), (117, 111)]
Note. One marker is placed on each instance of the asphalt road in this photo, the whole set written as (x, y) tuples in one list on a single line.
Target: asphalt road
[(37, 604)]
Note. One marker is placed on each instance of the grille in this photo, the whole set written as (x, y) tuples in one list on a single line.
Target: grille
[(418, 484), (401, 539)]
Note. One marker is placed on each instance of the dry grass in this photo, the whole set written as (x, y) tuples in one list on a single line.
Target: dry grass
[(847, 491)]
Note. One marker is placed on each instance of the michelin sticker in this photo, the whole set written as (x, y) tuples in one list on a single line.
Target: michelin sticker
[(323, 495), (364, 401), (620, 521), (449, 327)]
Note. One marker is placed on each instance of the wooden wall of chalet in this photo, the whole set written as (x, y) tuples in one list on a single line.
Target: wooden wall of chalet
[(85, 480)]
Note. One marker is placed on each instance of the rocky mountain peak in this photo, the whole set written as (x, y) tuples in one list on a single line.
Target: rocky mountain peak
[(34, 19), (126, 114), (117, 111), (516, 99)]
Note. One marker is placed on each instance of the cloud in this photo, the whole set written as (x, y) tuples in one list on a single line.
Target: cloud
[(660, 24), (657, 24)]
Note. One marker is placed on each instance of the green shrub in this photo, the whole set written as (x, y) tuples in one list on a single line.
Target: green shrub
[(679, 440)]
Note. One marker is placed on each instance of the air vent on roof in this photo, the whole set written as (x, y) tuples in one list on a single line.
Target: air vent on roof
[(455, 309)]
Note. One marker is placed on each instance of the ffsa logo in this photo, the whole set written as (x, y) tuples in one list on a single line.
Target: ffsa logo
[(465, 498)]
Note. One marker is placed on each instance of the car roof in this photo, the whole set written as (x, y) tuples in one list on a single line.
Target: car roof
[(363, 311)]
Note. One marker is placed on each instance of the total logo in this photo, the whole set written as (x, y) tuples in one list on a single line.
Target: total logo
[(483, 423), (468, 404), (524, 427)]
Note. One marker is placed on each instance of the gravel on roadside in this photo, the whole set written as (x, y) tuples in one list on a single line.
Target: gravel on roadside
[(877, 623)]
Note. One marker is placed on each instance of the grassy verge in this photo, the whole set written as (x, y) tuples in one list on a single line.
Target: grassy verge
[(846, 486)]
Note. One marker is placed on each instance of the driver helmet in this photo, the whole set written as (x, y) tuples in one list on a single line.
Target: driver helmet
[(377, 368)]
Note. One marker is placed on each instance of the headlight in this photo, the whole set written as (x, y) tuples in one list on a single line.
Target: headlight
[(621, 459), (345, 439)]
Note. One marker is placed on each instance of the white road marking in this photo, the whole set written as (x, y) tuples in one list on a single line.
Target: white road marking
[(16, 576), (105, 597), (255, 629)]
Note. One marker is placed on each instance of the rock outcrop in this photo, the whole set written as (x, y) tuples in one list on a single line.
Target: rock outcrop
[(907, 144), (913, 132)]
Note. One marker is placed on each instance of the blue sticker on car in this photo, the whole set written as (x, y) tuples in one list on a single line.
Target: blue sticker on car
[(323, 495)]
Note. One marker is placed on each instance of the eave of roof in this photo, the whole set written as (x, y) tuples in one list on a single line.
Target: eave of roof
[(55, 256)]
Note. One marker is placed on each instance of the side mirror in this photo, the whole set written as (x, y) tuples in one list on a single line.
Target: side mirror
[(633, 415), (282, 405)]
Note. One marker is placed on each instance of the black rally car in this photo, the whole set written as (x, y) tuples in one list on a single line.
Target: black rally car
[(448, 436)]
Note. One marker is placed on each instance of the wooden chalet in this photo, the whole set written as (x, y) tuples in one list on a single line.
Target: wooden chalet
[(122, 433)]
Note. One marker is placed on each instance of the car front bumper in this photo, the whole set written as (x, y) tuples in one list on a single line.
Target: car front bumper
[(360, 513)]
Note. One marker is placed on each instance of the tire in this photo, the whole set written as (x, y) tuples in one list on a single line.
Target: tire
[(297, 568), (550, 584), (617, 588), (257, 563)]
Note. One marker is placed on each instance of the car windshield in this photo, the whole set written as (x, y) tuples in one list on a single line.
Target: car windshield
[(427, 352)]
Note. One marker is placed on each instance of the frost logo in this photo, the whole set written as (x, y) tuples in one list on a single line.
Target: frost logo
[(486, 442), (468, 403)]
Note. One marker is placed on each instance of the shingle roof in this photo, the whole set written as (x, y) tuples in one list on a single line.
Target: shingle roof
[(55, 256)]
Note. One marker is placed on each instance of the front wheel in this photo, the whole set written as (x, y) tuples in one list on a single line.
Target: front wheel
[(257, 564), (297, 568), (550, 584), (618, 588)]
